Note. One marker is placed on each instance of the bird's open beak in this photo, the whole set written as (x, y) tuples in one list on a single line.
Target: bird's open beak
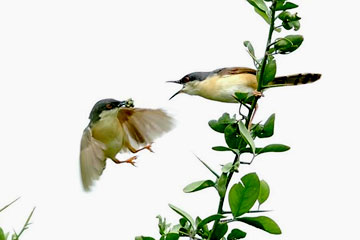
[(180, 91)]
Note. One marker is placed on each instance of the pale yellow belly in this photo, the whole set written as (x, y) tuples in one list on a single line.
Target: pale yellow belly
[(223, 89), (111, 134)]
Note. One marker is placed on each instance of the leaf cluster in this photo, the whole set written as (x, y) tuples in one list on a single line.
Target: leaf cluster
[(240, 138), (15, 235)]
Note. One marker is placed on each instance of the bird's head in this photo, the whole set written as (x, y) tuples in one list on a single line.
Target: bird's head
[(190, 83), (107, 104)]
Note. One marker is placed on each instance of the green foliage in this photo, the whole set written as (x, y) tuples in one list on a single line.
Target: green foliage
[(240, 137), (183, 214), (242, 196), (270, 70), (264, 192), (236, 234), (199, 185), (220, 124), (15, 235), (288, 44), (263, 223)]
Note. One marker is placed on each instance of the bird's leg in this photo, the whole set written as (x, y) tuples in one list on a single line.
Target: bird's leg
[(252, 117), (133, 150), (130, 160)]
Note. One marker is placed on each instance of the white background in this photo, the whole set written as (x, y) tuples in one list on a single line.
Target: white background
[(57, 58)]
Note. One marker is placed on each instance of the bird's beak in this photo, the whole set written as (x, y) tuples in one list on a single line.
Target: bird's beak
[(180, 91), (178, 81), (121, 103)]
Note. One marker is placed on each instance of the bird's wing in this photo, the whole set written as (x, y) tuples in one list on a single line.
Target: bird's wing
[(92, 159), (235, 70), (142, 126)]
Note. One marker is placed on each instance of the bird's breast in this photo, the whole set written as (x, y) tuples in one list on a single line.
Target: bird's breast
[(109, 131), (223, 88)]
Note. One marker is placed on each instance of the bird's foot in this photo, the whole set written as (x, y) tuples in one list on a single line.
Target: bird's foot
[(148, 147), (258, 94), (130, 160)]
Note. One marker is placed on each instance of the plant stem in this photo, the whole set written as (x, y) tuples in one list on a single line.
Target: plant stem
[(247, 122), (263, 62)]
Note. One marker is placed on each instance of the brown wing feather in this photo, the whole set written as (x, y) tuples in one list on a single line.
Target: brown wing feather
[(143, 126), (92, 159), (236, 70)]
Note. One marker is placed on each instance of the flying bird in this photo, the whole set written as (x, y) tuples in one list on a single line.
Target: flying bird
[(221, 84), (117, 126)]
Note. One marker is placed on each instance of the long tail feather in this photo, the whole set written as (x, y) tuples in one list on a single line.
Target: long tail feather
[(292, 80)]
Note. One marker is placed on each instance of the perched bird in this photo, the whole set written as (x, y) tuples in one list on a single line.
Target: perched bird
[(117, 126), (221, 84)]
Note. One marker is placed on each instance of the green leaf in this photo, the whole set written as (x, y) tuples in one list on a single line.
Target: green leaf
[(219, 231), (290, 20), (264, 192), (236, 234), (286, 6), (274, 148), (260, 4), (144, 238), (241, 96), (268, 127), (250, 48), (183, 221), (208, 220), (2, 235), (270, 70), (220, 124), (172, 236), (224, 149), (227, 167), (288, 44), (264, 15), (246, 134), (263, 223), (243, 197), (162, 225), (221, 185), (261, 9), (232, 136), (183, 214), (197, 186)]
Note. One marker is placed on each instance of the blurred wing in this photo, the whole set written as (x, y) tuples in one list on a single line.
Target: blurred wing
[(92, 159), (143, 126)]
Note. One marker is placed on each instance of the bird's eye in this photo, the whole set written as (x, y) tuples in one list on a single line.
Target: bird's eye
[(186, 79), (108, 106)]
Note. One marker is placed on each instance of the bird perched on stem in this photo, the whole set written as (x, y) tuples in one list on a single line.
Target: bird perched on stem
[(221, 84), (117, 126)]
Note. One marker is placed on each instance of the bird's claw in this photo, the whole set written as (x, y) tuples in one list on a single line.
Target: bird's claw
[(148, 147), (130, 160), (258, 94)]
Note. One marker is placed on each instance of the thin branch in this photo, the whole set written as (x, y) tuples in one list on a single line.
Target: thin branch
[(26, 225), (9, 204), (212, 171)]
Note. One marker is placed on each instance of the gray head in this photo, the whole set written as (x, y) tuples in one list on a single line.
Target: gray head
[(106, 105), (190, 82)]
